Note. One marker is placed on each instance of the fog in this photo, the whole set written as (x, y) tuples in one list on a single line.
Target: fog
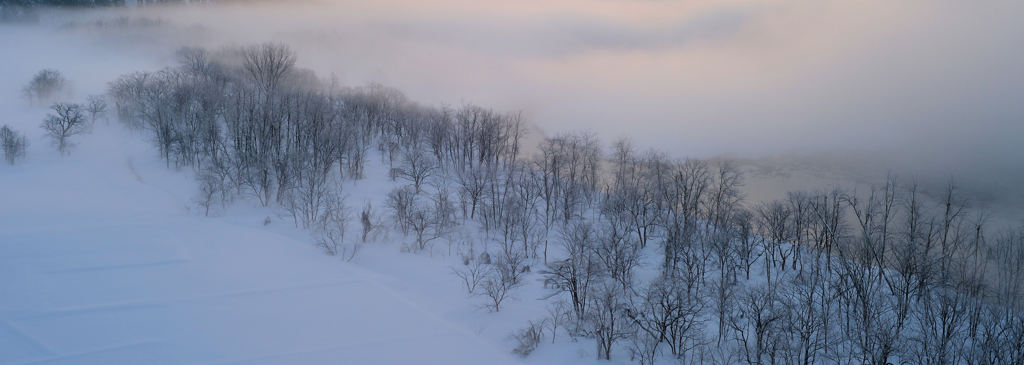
[(928, 89)]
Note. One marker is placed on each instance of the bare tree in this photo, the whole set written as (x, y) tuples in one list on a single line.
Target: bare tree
[(472, 275), (127, 93), (209, 188), (1007, 257), (746, 249), (755, 325), (868, 322), (417, 167), (66, 121), (634, 188), (401, 201), (44, 86), (943, 311), (559, 315), (774, 225), (806, 308), (267, 65), (570, 163), (366, 221), (544, 176), (574, 274), (425, 224), (827, 223), (498, 284), (666, 313), (95, 106), (617, 250), (723, 291), (1000, 336), (13, 144), (472, 181), (799, 205), (605, 319), (526, 194), (682, 187), (331, 226)]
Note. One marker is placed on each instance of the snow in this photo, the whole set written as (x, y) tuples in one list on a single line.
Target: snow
[(103, 262), (104, 257)]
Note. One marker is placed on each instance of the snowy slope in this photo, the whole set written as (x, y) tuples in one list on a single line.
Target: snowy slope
[(102, 263), (105, 259)]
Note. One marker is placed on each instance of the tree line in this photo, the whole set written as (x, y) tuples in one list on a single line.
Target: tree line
[(839, 276)]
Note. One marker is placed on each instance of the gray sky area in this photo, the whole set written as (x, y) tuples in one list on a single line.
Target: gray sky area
[(929, 89)]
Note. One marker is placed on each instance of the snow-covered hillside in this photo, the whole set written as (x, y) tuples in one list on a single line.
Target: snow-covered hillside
[(103, 260), (231, 205), (103, 263)]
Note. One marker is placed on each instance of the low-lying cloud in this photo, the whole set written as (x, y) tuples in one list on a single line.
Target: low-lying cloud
[(927, 88)]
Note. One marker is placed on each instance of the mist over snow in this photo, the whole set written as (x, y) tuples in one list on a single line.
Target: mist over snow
[(925, 79), (926, 88), (796, 94)]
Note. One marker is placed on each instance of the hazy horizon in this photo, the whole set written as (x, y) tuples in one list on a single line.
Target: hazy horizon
[(927, 89)]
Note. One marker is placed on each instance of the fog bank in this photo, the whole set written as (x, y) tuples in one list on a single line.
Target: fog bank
[(927, 88)]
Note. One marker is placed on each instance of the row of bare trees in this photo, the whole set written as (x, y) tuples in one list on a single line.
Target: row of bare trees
[(65, 120), (879, 276)]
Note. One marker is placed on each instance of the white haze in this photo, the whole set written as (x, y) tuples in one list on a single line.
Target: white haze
[(929, 89)]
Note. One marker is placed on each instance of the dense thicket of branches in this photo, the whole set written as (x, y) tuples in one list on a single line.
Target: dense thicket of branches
[(878, 276)]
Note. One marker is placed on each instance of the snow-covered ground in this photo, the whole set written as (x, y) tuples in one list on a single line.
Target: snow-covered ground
[(104, 257), (103, 262)]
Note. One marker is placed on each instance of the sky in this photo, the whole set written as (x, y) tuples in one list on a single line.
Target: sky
[(926, 88), (935, 82)]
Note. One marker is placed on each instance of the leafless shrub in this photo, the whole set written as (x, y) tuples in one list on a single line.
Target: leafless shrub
[(559, 315), (498, 284), (528, 338), (331, 226), (208, 190), (367, 220), (401, 201), (472, 274)]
